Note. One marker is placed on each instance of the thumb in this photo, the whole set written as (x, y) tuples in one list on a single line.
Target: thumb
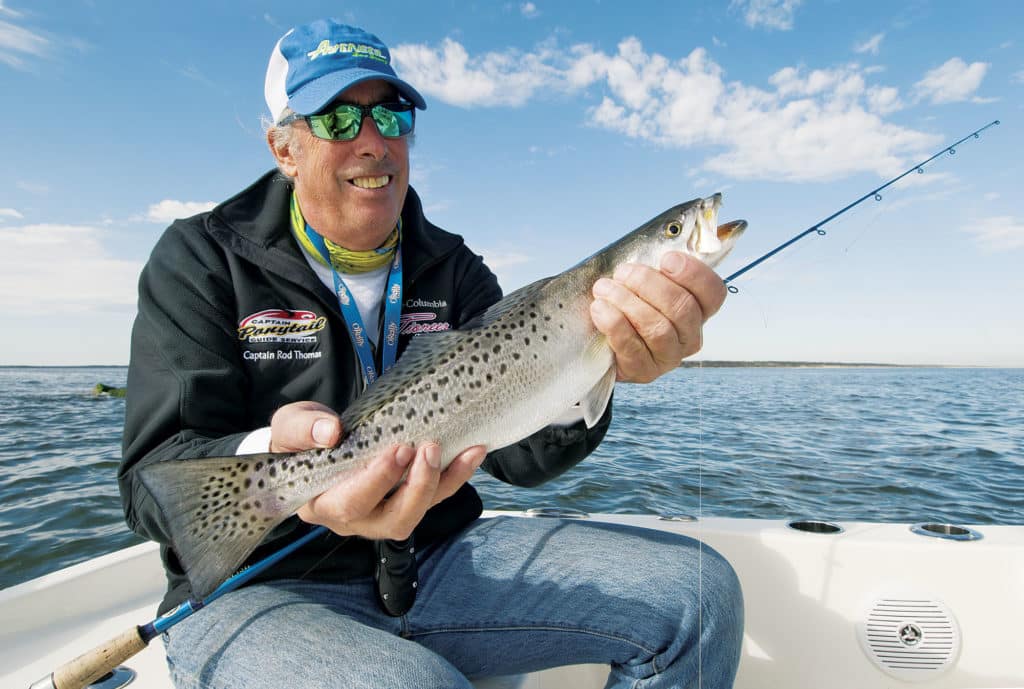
[(303, 426)]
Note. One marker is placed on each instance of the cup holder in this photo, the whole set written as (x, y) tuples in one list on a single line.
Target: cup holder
[(814, 526), (950, 532)]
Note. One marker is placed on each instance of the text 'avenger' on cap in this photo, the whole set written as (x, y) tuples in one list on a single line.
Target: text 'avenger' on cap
[(313, 63)]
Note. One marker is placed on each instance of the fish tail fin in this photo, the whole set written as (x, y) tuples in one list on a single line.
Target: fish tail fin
[(217, 512)]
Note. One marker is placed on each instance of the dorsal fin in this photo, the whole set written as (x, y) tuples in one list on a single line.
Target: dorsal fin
[(511, 302)]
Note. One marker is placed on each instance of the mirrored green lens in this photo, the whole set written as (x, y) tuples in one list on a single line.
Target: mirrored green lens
[(392, 123), (341, 124), (344, 122)]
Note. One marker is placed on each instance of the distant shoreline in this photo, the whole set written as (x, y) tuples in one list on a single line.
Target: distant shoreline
[(811, 364), (799, 364)]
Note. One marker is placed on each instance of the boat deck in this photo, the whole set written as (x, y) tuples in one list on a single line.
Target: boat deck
[(810, 598)]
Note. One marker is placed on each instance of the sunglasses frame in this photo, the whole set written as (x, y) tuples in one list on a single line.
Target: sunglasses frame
[(393, 108)]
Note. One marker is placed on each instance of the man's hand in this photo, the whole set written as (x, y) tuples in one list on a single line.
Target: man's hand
[(360, 505), (652, 318)]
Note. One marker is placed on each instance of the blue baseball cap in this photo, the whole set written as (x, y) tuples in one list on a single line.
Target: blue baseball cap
[(313, 63)]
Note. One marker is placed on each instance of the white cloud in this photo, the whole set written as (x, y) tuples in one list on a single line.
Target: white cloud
[(63, 268), (1018, 77), (10, 213), (32, 187), (8, 11), (814, 125), (806, 124), (771, 14), (872, 45), (17, 43), (998, 233), (951, 82), (883, 99), (448, 72), (529, 10), (501, 261), (168, 210)]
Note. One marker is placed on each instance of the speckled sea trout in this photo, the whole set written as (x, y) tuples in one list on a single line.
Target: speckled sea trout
[(493, 382)]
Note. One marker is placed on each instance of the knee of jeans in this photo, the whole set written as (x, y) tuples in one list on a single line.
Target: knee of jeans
[(722, 594)]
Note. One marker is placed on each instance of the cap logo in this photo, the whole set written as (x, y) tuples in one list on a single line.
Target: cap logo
[(355, 49)]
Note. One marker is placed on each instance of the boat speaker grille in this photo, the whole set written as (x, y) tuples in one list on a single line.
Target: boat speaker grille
[(911, 639)]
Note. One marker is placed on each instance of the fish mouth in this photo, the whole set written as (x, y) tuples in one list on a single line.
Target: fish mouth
[(704, 238), (731, 230)]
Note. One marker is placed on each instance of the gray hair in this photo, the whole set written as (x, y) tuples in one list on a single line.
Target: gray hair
[(282, 134)]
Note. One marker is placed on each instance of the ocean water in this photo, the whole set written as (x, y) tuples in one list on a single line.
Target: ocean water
[(874, 444)]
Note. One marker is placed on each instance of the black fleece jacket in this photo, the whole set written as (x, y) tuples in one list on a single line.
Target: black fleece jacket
[(233, 324)]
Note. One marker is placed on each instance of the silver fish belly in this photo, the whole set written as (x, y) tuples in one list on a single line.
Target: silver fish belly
[(493, 382)]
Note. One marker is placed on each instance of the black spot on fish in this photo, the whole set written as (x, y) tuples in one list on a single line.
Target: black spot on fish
[(527, 341), (496, 349), (475, 359), (502, 368), (273, 470), (544, 337), (489, 377), (486, 357), (508, 336), (433, 396), (458, 399), (515, 355), (248, 482)]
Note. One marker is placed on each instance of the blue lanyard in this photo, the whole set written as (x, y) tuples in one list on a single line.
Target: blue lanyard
[(354, 322)]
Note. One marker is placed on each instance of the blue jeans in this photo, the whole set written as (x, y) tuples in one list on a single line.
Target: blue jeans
[(508, 595)]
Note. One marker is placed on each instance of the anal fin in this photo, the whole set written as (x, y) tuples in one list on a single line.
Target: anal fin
[(596, 401)]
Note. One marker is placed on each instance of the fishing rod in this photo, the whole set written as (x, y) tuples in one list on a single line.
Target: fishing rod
[(92, 665), (816, 227)]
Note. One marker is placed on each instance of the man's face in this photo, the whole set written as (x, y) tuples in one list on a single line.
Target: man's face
[(352, 191)]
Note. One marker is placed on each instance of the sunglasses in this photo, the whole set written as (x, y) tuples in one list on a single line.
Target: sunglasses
[(343, 122)]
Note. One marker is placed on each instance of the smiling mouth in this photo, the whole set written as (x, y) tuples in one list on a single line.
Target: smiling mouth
[(371, 182)]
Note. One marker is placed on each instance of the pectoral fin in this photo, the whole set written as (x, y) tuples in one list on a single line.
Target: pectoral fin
[(596, 400)]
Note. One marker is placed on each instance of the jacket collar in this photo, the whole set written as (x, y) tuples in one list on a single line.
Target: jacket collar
[(255, 224)]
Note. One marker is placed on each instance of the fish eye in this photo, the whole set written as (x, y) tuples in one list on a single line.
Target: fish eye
[(673, 229)]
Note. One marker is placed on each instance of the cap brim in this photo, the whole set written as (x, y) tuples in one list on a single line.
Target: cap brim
[(315, 95)]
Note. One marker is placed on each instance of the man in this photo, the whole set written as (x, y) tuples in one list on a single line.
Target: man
[(262, 308)]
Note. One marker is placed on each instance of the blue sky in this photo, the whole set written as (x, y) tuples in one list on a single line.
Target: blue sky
[(553, 128)]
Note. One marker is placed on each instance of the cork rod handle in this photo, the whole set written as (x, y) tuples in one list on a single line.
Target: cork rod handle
[(91, 665)]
